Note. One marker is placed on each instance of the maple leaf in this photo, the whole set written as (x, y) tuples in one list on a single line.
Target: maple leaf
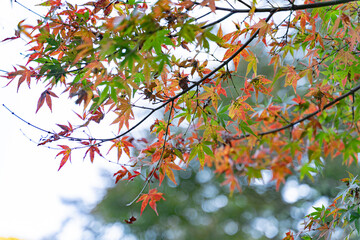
[(345, 57), (56, 3), (321, 94), (234, 183), (280, 171), (166, 168), (247, 88), (291, 77), (97, 115), (211, 4), (263, 28), (46, 95), (151, 198), (298, 100), (92, 150), (122, 173), (121, 145), (251, 58), (210, 94), (17, 35), (289, 236), (25, 74), (258, 82), (132, 176), (239, 109), (67, 130), (125, 113), (231, 50), (66, 152)]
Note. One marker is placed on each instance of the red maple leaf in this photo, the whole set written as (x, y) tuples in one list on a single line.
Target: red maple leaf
[(151, 198), (66, 152)]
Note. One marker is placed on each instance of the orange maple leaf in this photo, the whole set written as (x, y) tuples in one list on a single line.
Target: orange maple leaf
[(121, 145), (258, 82), (166, 168), (280, 171), (291, 77), (122, 173), (211, 4), (152, 197), (234, 183), (289, 236), (231, 50), (239, 108)]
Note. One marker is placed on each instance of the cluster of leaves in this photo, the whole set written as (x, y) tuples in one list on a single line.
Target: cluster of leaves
[(344, 212), (109, 55)]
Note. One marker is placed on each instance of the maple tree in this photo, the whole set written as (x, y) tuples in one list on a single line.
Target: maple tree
[(181, 58)]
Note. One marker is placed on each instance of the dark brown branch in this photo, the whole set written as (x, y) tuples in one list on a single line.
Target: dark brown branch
[(218, 21), (290, 125), (287, 8), (198, 18), (242, 2)]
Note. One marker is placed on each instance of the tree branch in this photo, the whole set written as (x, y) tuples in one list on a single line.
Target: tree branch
[(218, 21), (287, 8), (351, 92), (242, 2)]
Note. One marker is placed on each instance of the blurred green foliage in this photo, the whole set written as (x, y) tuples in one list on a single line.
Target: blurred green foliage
[(200, 208)]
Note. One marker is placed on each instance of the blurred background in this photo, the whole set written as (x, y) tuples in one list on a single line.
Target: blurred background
[(82, 202)]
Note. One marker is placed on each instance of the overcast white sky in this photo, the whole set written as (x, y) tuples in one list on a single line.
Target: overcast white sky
[(31, 188)]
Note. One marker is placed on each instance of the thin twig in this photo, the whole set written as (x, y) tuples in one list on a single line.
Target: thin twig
[(218, 21), (286, 8), (142, 107), (232, 81), (244, 3), (353, 90), (229, 4), (196, 19), (147, 182), (32, 125), (46, 18)]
